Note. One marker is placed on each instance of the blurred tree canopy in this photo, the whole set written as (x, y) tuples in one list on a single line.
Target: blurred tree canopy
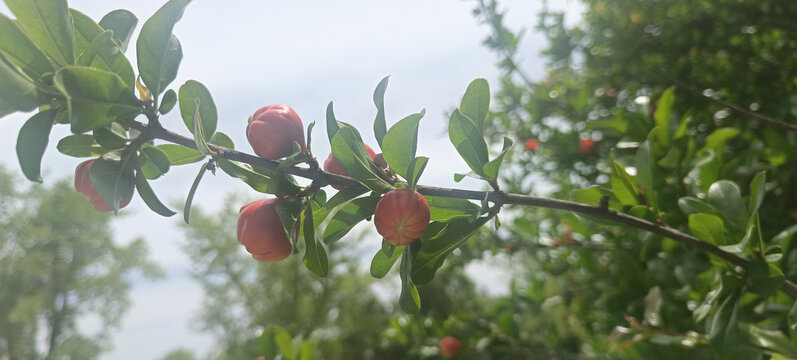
[(60, 269)]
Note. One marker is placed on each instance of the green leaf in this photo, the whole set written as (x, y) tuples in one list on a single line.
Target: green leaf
[(221, 139), (738, 248), (48, 24), (467, 139), (167, 102), (757, 191), (348, 216), (158, 50), (409, 300), (622, 184), (724, 331), (17, 92), (726, 197), (708, 228), (190, 199), (381, 263), (645, 173), (112, 176), (332, 124), (289, 211), (492, 167), (262, 180), (200, 137), (400, 144), (662, 117), (152, 162), (21, 51), (476, 102), (82, 145), (111, 136), (692, 205), (267, 343), (189, 93), (180, 155), (32, 141), (380, 127), (348, 149), (310, 127), (95, 48), (285, 344), (417, 166), (764, 279), (772, 340), (306, 351), (94, 97), (315, 255), (444, 209), (122, 23), (149, 197), (437, 243)]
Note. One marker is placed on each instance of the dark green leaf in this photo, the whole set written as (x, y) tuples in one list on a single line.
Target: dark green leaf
[(149, 197), (772, 340), (380, 127), (112, 176), (48, 24), (692, 205), (111, 136), (400, 143), (348, 216), (262, 180), (122, 23), (190, 199), (82, 145), (349, 150), (17, 92), (467, 138), (153, 162), (763, 278), (290, 210), (724, 332), (315, 255), (417, 166), (437, 243), (381, 263), (180, 155), (662, 117), (32, 141), (332, 124), (622, 184), (444, 209), (95, 97), (492, 167), (409, 300), (646, 174), (167, 102), (200, 135), (189, 92), (158, 50), (476, 102)]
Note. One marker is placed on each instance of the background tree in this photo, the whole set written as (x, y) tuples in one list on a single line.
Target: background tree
[(59, 267)]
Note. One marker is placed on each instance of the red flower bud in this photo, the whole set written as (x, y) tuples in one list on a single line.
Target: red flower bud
[(532, 144), (273, 129), (260, 231), (449, 346), (401, 216), (84, 186), (586, 146)]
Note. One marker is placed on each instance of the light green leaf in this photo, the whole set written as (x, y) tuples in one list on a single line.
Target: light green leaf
[(48, 24), (348, 149), (444, 209), (400, 143), (111, 136), (21, 51), (180, 155), (380, 127), (439, 240), (348, 216), (708, 228), (290, 211), (259, 179), (167, 102), (122, 23), (409, 300), (149, 197), (17, 91), (757, 191), (82, 145), (467, 139), (646, 173), (152, 162), (190, 199), (95, 48), (492, 167), (622, 184), (476, 102), (382, 263), (189, 92), (662, 117), (726, 197), (315, 255)]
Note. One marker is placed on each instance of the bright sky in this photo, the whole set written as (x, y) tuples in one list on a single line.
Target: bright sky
[(304, 54)]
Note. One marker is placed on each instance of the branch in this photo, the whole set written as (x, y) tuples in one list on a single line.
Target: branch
[(496, 197), (755, 115)]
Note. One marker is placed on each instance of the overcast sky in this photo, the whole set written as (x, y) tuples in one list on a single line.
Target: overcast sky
[(303, 54)]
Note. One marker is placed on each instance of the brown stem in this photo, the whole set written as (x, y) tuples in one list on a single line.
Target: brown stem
[(496, 197)]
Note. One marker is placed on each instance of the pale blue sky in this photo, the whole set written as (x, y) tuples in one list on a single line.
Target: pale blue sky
[(304, 54)]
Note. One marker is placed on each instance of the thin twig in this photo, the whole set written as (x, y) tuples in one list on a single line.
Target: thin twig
[(755, 115), (496, 197)]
